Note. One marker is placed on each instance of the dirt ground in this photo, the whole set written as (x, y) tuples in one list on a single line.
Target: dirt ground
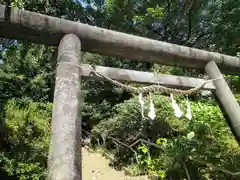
[(96, 167)]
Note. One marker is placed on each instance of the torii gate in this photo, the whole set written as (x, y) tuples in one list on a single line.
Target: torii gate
[(72, 37)]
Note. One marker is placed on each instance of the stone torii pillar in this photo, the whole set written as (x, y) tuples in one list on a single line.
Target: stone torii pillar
[(226, 99), (64, 161)]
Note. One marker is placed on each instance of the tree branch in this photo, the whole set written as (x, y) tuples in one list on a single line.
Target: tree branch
[(189, 25), (186, 170), (217, 168)]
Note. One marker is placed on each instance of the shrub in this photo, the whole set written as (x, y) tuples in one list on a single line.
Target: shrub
[(203, 147)]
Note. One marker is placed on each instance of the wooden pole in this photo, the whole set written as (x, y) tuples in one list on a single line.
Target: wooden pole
[(65, 147), (43, 29), (225, 97)]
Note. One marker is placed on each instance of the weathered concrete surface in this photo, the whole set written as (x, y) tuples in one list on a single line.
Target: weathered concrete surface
[(65, 148)]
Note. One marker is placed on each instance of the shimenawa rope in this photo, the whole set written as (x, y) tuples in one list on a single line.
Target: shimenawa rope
[(146, 89)]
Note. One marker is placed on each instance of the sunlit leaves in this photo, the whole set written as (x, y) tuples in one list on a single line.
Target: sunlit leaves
[(155, 12), (18, 3), (143, 148), (162, 174), (162, 141), (27, 134), (190, 135)]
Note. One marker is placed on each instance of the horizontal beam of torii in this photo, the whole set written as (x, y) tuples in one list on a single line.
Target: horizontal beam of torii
[(43, 29), (145, 78)]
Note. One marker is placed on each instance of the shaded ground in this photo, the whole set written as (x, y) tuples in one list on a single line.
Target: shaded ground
[(96, 167)]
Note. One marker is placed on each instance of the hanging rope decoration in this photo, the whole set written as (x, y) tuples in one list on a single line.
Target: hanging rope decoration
[(153, 88), (141, 102), (152, 113), (188, 114), (148, 89), (177, 111)]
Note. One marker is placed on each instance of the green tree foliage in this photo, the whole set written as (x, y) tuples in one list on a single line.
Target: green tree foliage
[(25, 139), (27, 71)]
